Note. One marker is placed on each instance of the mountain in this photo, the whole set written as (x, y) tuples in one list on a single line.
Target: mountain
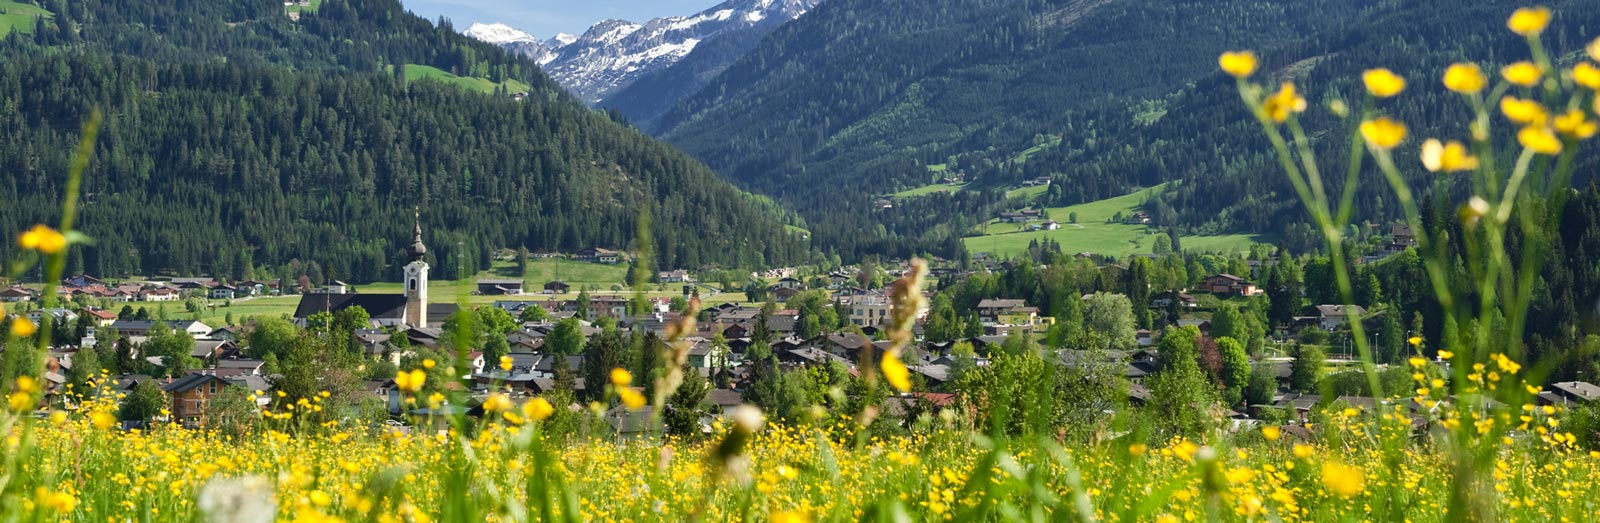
[(518, 42), (239, 142), (613, 54), (861, 98)]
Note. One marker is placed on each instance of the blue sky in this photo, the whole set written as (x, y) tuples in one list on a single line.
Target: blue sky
[(545, 18)]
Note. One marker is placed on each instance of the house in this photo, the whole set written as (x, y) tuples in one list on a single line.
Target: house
[(158, 294), (16, 294), (598, 255), (991, 309), (102, 317), (1228, 284), (1569, 394), (1051, 225), (790, 283), (677, 276), (1137, 218), (883, 204), (1167, 299), (82, 280), (1403, 235), (224, 292), (1022, 216), (499, 287), (57, 316), (868, 310), (190, 284), (557, 287), (191, 395), (1331, 317), (211, 350), (782, 294)]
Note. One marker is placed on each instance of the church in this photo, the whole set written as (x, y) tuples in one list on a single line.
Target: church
[(410, 309)]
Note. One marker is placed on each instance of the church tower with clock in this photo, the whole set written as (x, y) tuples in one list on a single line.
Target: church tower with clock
[(416, 274)]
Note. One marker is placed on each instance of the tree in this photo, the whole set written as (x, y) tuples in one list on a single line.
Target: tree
[(1306, 369), (1263, 385), (173, 347), (1180, 399), (533, 313), (682, 415), (1235, 369), (496, 347), (1072, 217), (232, 413), (144, 403), (496, 321), (583, 304), (567, 338), (1111, 315), (1226, 323), (1392, 343), (603, 353), (522, 262), (271, 336), (85, 366)]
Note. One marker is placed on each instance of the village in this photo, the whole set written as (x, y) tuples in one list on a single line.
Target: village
[(778, 318)]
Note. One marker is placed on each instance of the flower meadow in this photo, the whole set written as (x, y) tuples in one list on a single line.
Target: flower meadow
[(1471, 443), (78, 468)]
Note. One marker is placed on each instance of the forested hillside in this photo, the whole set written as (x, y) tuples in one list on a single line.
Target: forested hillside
[(861, 97), (237, 140)]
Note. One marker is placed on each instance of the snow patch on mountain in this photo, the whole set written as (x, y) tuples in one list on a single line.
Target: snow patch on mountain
[(614, 53)]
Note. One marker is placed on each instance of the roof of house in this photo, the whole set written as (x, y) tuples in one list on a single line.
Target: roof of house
[(1001, 304), (1578, 389), (378, 306), (1228, 277), (191, 382), (1341, 310), (500, 282)]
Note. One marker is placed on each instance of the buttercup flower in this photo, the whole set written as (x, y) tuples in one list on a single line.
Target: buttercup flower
[(1587, 75), (1283, 103), (21, 327), (538, 409), (1383, 83), (1594, 49), (505, 363), (1529, 21), (1238, 63), (1465, 78), (1383, 133), (1526, 112), (621, 378), (895, 372), (1574, 124), (1343, 480), (410, 382), (60, 502), (1540, 139), (1524, 74), (43, 239), (1272, 433), (1446, 157), (497, 403), (632, 398), (1415, 341)]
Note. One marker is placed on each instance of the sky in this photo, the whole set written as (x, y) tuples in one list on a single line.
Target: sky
[(545, 18)]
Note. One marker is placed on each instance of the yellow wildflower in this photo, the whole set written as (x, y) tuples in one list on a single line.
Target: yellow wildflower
[(895, 372), (1523, 73), (1240, 64), (1415, 341), (497, 403), (429, 363), (1465, 78), (621, 378), (1343, 480), (1445, 355), (1283, 103), (1383, 83), (1529, 21), (1383, 133), (1272, 433), (505, 363), (1526, 112), (22, 328), (1446, 157), (1587, 75), (1574, 124), (60, 502), (538, 409), (43, 239), (1594, 49), (632, 398), (789, 516), (1138, 449), (1540, 139), (102, 420), (411, 381), (1304, 451)]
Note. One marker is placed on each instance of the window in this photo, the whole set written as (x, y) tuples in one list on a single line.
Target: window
[(413, 283)]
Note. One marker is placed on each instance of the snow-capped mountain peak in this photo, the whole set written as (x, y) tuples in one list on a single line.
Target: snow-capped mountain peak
[(612, 54), (498, 34)]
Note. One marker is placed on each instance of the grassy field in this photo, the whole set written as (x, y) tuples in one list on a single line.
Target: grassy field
[(416, 72), (577, 274), (19, 17), (297, 8), (1093, 234)]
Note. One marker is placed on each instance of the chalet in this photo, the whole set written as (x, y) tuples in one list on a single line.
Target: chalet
[(991, 309), (232, 368), (158, 294), (598, 255), (224, 292), (82, 280), (1051, 225), (557, 287), (211, 350), (1403, 235), (1169, 298), (1228, 284), (1331, 317), (1569, 394), (500, 287), (883, 204), (790, 283), (191, 394), (677, 276), (782, 294), (194, 284), (1137, 218), (102, 317), (608, 306), (57, 316), (16, 294)]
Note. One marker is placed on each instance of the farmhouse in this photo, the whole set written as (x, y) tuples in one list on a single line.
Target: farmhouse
[(500, 287), (1228, 284)]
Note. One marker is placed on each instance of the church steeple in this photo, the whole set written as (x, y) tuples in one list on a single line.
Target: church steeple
[(417, 250), (417, 279)]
